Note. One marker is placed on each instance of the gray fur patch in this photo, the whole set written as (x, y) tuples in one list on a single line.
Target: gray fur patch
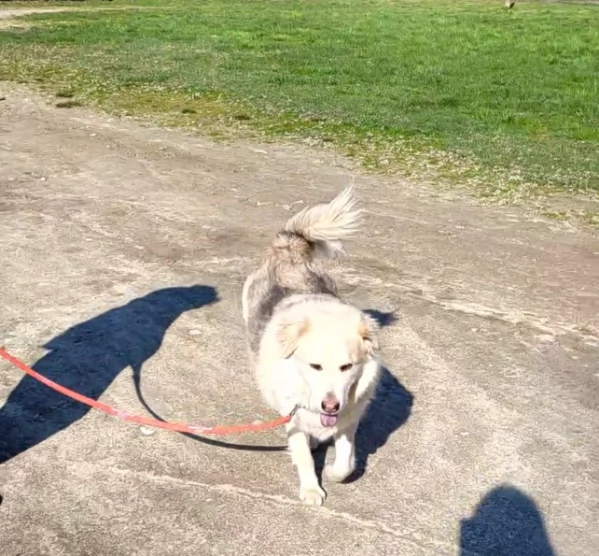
[(269, 289)]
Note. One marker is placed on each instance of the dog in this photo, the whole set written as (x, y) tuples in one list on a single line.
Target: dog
[(313, 355)]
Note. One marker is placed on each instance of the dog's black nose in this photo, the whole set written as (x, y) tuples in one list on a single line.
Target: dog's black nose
[(330, 405)]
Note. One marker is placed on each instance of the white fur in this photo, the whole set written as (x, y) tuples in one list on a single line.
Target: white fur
[(313, 328)]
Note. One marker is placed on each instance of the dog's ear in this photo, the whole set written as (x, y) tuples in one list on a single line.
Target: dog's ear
[(289, 334), (367, 331)]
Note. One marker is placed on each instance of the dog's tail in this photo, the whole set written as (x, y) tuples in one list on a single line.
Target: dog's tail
[(319, 229)]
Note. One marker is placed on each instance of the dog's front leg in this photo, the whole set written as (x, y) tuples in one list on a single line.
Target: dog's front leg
[(299, 446), (345, 455)]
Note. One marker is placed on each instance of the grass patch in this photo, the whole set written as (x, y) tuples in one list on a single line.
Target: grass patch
[(503, 100)]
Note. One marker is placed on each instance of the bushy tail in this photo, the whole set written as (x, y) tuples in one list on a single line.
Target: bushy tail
[(321, 228)]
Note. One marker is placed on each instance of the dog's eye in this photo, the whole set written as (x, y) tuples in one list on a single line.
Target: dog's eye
[(316, 366), (346, 367)]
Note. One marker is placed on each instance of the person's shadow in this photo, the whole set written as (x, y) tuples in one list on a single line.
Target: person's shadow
[(87, 358), (506, 522), (388, 411)]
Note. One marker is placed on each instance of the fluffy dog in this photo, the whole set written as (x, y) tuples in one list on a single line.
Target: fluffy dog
[(310, 350)]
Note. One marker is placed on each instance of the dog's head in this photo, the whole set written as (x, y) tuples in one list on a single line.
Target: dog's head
[(332, 348)]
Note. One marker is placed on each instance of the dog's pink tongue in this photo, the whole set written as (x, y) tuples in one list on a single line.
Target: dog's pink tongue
[(328, 420)]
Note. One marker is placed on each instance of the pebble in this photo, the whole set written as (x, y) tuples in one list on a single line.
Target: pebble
[(147, 431)]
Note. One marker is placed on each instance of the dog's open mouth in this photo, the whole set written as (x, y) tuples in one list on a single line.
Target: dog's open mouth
[(328, 420)]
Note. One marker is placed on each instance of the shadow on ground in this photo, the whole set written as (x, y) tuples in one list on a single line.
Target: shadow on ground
[(506, 522), (389, 410), (382, 318), (87, 358)]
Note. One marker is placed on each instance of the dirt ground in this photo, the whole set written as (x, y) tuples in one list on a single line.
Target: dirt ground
[(9, 17), (124, 249)]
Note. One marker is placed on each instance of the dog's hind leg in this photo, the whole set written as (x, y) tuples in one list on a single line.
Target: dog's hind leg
[(299, 446)]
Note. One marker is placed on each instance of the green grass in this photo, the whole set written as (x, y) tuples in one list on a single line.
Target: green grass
[(465, 91)]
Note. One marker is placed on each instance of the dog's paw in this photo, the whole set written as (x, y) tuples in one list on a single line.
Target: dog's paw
[(313, 496), (337, 474)]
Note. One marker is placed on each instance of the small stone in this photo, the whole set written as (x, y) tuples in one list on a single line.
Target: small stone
[(195, 332), (2, 98), (147, 431)]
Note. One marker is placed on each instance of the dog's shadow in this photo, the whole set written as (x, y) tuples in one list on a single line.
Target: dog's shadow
[(382, 318), (388, 411)]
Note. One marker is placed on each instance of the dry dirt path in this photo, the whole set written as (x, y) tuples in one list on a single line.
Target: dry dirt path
[(123, 251)]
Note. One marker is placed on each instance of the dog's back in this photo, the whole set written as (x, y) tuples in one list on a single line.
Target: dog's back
[(290, 267)]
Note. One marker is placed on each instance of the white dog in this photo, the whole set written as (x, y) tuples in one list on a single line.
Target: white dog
[(311, 351)]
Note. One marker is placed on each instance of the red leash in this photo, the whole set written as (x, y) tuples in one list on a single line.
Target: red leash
[(177, 427)]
